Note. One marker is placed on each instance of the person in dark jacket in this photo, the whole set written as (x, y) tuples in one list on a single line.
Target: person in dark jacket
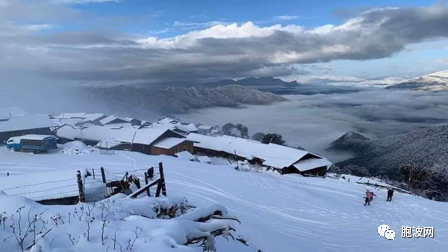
[(390, 193)]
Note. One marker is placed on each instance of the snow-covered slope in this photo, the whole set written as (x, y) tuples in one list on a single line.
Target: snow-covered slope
[(437, 81), (348, 142), (278, 213), (179, 99)]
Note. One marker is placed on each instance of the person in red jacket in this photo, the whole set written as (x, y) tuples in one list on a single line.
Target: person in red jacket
[(369, 197)]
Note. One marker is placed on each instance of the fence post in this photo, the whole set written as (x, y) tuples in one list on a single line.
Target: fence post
[(162, 179), (82, 197), (93, 171), (147, 182), (103, 175)]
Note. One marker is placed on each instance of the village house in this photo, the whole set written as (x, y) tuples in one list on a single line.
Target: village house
[(205, 129), (25, 125), (113, 120), (280, 158), (175, 125), (154, 142), (145, 140), (94, 118), (134, 121)]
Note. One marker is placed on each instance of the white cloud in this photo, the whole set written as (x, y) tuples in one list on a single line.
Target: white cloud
[(220, 51), (38, 27), (285, 17), (219, 31)]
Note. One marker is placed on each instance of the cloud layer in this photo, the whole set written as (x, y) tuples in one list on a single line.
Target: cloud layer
[(221, 51), (315, 121)]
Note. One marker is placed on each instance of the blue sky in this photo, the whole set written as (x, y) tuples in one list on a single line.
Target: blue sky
[(175, 17), (150, 16), (148, 40)]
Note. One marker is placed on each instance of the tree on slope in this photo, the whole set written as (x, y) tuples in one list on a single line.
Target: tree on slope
[(273, 138), (227, 129), (258, 136), (244, 131)]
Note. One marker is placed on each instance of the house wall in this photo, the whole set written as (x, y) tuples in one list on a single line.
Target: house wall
[(319, 171), (185, 146), (213, 153), (4, 136)]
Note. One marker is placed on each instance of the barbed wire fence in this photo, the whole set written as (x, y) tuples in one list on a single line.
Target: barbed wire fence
[(94, 189)]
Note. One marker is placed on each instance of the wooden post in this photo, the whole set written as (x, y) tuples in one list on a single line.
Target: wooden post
[(103, 175), (82, 196), (93, 173), (162, 179), (147, 182)]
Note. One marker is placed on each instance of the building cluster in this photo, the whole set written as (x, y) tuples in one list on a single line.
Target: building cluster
[(163, 137)]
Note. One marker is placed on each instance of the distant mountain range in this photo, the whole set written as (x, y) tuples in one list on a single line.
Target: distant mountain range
[(424, 147), (437, 81), (253, 82), (431, 82), (167, 100)]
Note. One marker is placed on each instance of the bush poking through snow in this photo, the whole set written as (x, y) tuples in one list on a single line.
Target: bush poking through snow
[(116, 224)]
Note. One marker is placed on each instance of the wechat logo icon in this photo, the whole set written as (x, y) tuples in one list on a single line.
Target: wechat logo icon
[(384, 230)]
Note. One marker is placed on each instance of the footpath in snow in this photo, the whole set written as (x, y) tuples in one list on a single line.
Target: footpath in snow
[(278, 213)]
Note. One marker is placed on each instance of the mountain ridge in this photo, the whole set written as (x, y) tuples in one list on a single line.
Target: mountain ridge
[(180, 99)]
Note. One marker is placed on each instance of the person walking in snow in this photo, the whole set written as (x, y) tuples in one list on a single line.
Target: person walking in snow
[(390, 193), (369, 197)]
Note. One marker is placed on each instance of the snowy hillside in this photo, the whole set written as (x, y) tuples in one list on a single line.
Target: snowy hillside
[(350, 141), (437, 81), (278, 213), (425, 147), (180, 100)]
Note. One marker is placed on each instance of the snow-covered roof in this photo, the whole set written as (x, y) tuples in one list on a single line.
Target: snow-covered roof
[(26, 122), (96, 133), (205, 127), (93, 116), (204, 159), (168, 143), (108, 144), (273, 155), (110, 134), (140, 136), (279, 156), (110, 119), (233, 145), (167, 120), (172, 124), (187, 126), (185, 155), (34, 137), (312, 163), (72, 115)]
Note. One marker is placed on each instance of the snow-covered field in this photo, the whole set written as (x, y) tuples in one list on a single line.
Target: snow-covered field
[(278, 213)]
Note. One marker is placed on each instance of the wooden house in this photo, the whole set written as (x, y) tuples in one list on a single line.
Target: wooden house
[(280, 158), (154, 142)]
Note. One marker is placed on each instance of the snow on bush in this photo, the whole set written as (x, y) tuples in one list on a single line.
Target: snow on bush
[(76, 148), (116, 224)]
